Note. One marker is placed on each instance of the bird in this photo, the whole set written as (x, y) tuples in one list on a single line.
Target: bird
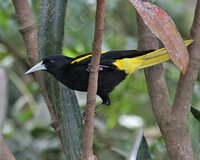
[(114, 67)]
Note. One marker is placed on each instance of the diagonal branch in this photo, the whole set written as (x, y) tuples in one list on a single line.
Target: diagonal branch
[(5, 152), (29, 33), (14, 51), (93, 82), (186, 83), (156, 84), (173, 121)]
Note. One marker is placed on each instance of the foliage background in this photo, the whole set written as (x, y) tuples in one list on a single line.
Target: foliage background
[(26, 127)]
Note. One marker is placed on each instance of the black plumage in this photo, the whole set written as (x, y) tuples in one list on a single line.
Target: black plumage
[(113, 68)]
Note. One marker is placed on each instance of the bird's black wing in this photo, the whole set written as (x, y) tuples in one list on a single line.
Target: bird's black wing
[(120, 54), (81, 60), (85, 59)]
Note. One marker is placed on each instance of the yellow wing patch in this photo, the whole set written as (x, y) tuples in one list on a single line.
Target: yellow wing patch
[(129, 65), (84, 57), (81, 58)]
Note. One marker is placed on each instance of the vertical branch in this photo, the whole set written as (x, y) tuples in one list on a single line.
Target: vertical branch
[(186, 83), (173, 121), (27, 28), (29, 33), (155, 79), (5, 152), (185, 87), (93, 82), (3, 97)]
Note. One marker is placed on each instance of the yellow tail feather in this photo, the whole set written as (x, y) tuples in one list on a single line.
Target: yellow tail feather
[(157, 56), (129, 65)]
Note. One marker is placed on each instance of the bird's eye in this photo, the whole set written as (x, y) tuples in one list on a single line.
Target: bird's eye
[(51, 61), (48, 62)]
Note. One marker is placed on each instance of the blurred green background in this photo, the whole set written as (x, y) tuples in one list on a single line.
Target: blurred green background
[(26, 124)]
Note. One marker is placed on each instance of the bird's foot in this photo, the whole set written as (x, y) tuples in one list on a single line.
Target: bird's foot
[(89, 69), (84, 116)]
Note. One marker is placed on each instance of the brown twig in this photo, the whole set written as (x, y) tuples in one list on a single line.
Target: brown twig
[(5, 153), (3, 97), (93, 82), (29, 33), (14, 51)]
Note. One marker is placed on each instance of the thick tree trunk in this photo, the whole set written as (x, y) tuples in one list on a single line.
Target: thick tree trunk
[(173, 120)]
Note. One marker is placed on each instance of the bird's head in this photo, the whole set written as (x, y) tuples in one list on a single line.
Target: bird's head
[(51, 64)]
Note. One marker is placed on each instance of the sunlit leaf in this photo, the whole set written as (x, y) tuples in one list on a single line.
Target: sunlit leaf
[(161, 24)]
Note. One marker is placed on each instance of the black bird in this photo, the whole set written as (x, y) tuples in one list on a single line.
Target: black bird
[(114, 67)]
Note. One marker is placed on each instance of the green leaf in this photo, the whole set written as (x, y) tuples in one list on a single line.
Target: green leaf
[(51, 32), (195, 113), (143, 151)]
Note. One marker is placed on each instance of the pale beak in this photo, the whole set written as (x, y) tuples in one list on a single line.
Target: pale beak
[(37, 67)]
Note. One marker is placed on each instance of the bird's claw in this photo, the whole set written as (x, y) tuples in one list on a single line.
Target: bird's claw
[(89, 69), (84, 116)]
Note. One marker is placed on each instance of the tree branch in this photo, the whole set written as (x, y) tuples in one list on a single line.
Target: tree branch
[(155, 78), (69, 128), (14, 51), (186, 82), (173, 121), (3, 97), (93, 82), (29, 33), (5, 152)]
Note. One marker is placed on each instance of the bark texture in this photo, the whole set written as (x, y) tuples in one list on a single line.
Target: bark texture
[(3, 97), (29, 33), (93, 80), (5, 152), (58, 98), (173, 120)]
